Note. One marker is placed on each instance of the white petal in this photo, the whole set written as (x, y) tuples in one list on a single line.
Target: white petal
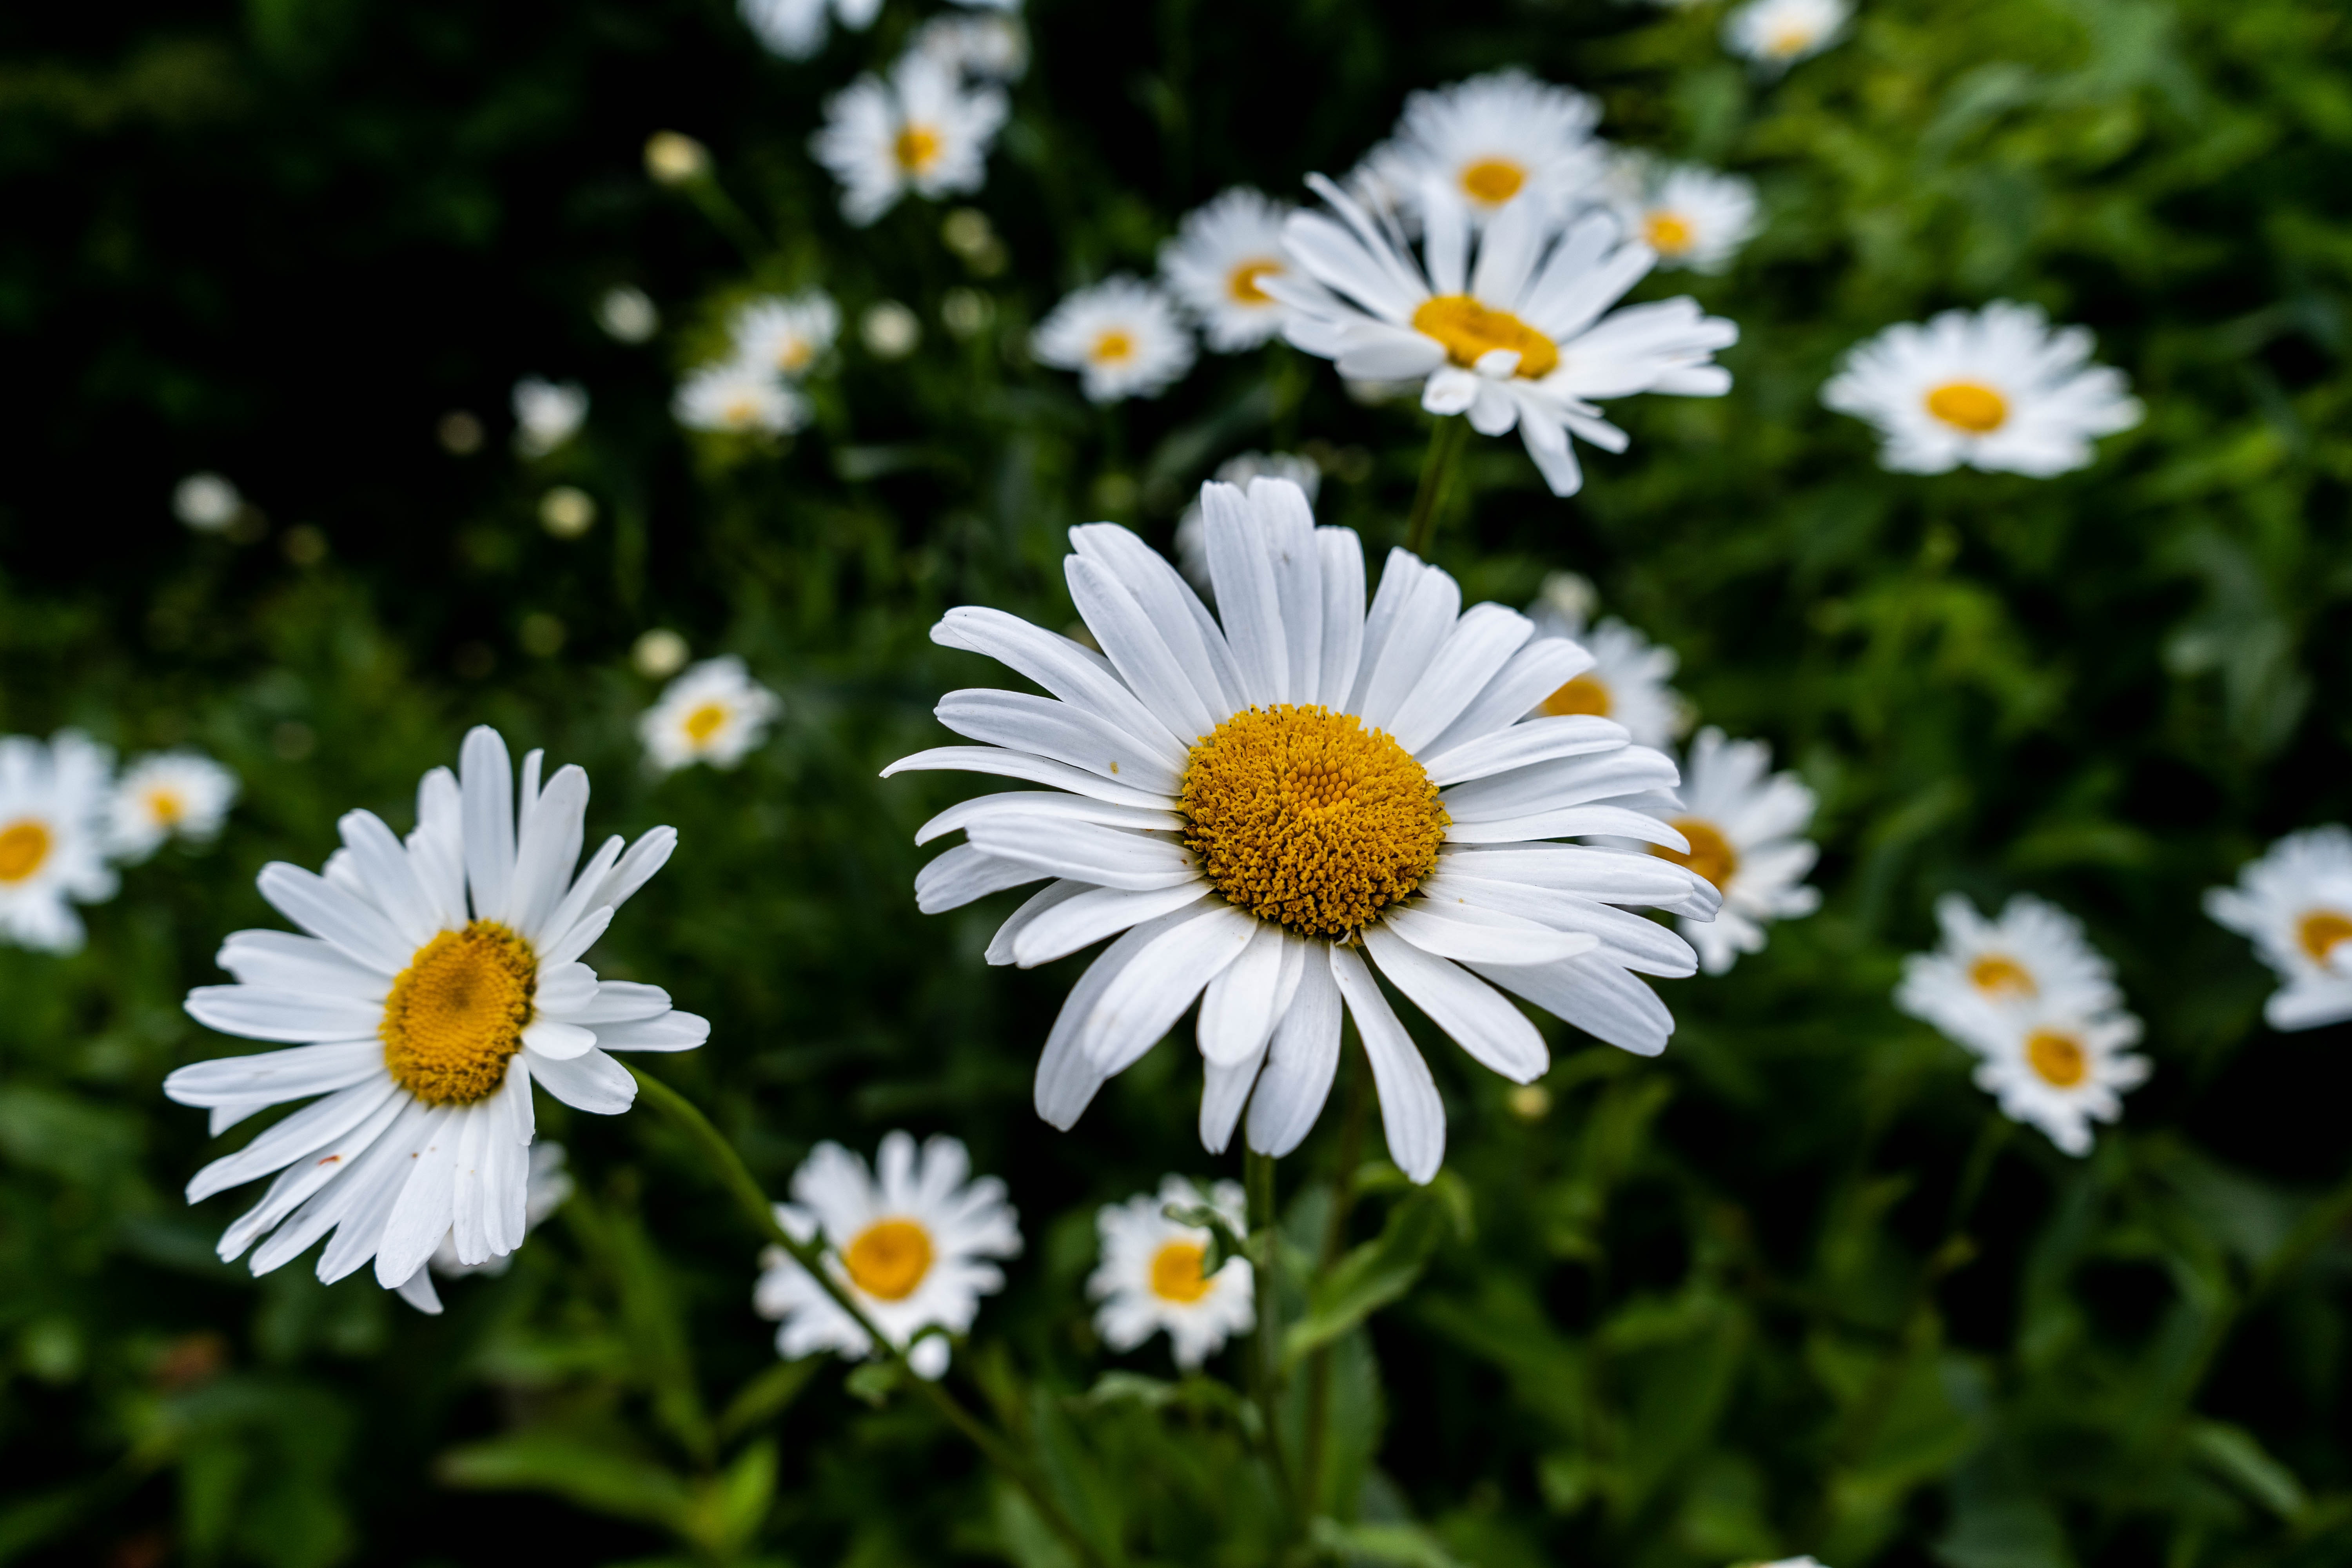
[(1070, 672), (564, 988), (359, 932), (1174, 608), (1535, 741), (300, 1183), (1035, 803), (1034, 769), (648, 855), (617, 1002), (1138, 648), (1063, 731), (418, 1292), (288, 1016), (1481, 643), (1051, 896), (1431, 604), (583, 896), (1595, 996), (1478, 1017), (1247, 604), (670, 1032), (1287, 524), (1086, 852), (965, 873), (1411, 1113), (1237, 1010), (1223, 1092), (1342, 558), (592, 1082), (398, 892), (1150, 994), (552, 1041), (1092, 915), (486, 785), (312, 1128), (424, 1210), (1301, 1060), (1540, 667), (1067, 1078), (279, 1076), (281, 960), (1571, 821), (1562, 782), (547, 849), (579, 939), (1452, 931)]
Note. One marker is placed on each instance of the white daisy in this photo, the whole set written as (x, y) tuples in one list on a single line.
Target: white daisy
[(1149, 1278), (183, 793), (206, 502), (788, 335), (628, 314), (441, 978), (1995, 389), (1744, 830), (1984, 971), (545, 1187), (1777, 34), (922, 131), (737, 397), (1691, 217), (1192, 527), (52, 835), (990, 47), (713, 713), (547, 414), (1121, 336), (796, 28), (1263, 805), (2060, 1071), (2295, 905), (1489, 141), (1221, 255), (910, 1243), (1627, 680), (1519, 338)]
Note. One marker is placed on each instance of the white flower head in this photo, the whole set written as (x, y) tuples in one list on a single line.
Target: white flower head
[(183, 794), (439, 978), (628, 314), (1487, 142), (1984, 972), (546, 1185), (53, 837), (912, 1242), (921, 131), (547, 414), (1222, 254), (1777, 34), (788, 335), (2060, 1071), (1515, 337), (2295, 905), (1744, 827), (796, 28), (1627, 680), (206, 502), (1996, 389), (1692, 216), (1150, 1278), (1121, 336), (992, 46), (737, 397), (1263, 806), (713, 713), (1192, 526)]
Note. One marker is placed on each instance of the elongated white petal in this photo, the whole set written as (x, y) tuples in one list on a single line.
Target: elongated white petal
[(1063, 731), (1052, 895), (616, 1002), (564, 988), (670, 1032), (1085, 852), (1452, 930), (1480, 643), (591, 1081), (1074, 673), (1595, 996), (1480, 1020), (1535, 741), (1223, 1092), (1287, 524), (1541, 666), (1420, 625), (1004, 764), (1143, 1003), (354, 928), (1570, 822), (1237, 1011), (965, 873), (309, 1130), (584, 895), (277, 1076), (648, 855), (1094, 914), (1046, 803), (1067, 1077), (1138, 648), (547, 849), (398, 892), (1342, 557), (552, 1041), (288, 1015), (1247, 601), (581, 936), (1174, 608), (301, 1182), (486, 784), (1411, 1113), (423, 1215), (1562, 782), (1301, 1060), (281, 960)]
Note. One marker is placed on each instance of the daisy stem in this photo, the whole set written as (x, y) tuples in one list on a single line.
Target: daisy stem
[(1266, 1365), (1445, 444), (738, 1179), (1335, 1238)]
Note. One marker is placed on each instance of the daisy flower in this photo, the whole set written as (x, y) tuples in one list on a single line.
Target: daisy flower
[(713, 713), (1690, 215), (53, 834), (439, 980), (2058, 1069), (1121, 336), (1489, 141), (739, 398), (1744, 830), (910, 1243), (1627, 680), (1193, 528), (2035, 954), (1777, 34), (171, 793), (1221, 255), (1149, 1278), (1995, 389), (1519, 338), (788, 335), (796, 28), (206, 502), (990, 47), (547, 414), (922, 131), (1263, 810), (545, 1187), (2295, 905)]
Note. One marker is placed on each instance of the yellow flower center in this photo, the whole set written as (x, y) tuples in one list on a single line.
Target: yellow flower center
[(1968, 406), (741, 411), (1585, 694), (166, 807), (1667, 233), (705, 721), (795, 355), (1493, 179), (1242, 282), (2318, 931), (888, 1259), (917, 147), (1113, 346), (1305, 817), (1469, 329), (23, 846), (1788, 41), (458, 1012), (1996, 976), (1176, 1272), (1711, 854), (2059, 1058)]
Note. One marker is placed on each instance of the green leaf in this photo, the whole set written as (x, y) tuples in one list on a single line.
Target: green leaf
[(1406, 1545), (1381, 1270), (874, 1382), (766, 1396), (2237, 1457), (602, 1479)]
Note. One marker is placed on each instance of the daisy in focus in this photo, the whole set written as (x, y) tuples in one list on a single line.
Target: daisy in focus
[(922, 131), (1690, 215), (1745, 824), (1221, 253), (1489, 140), (54, 801), (545, 1187), (1151, 1277), (1777, 34), (439, 979), (1995, 389), (1627, 680), (547, 414), (2294, 904), (796, 28), (1515, 337), (1260, 808), (788, 335), (183, 795), (1192, 527), (912, 1242), (992, 46), (2060, 1071), (2034, 954), (1121, 336), (713, 713), (739, 398)]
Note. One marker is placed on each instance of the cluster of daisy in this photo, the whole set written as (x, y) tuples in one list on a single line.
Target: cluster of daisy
[(775, 342), (67, 820)]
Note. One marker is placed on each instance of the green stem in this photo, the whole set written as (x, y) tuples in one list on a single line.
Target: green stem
[(1445, 444), (1335, 1238), (738, 1179), (1266, 1363)]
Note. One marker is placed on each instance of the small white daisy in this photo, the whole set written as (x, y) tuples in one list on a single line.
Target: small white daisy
[(1192, 527), (545, 1188), (911, 1243), (796, 28), (1691, 217), (989, 48), (183, 794), (2035, 954), (206, 502), (1744, 830), (922, 131), (1221, 255), (1627, 680), (441, 978), (1777, 34), (1121, 336), (1517, 338), (547, 414), (628, 314), (1262, 807), (713, 713), (2295, 905), (1995, 389), (737, 397), (1149, 1278), (53, 836), (2060, 1070), (788, 335), (1489, 141)]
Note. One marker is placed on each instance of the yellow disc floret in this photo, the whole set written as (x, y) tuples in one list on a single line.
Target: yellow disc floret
[(23, 846), (2059, 1059), (1970, 406), (1493, 179), (458, 1012), (2316, 933), (1176, 1272), (917, 147), (888, 1259), (1305, 817), (1711, 854), (1470, 331), (1997, 975)]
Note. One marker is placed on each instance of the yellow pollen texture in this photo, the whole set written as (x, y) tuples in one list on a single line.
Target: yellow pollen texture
[(1996, 976), (705, 721), (888, 1259), (1666, 234), (1970, 406), (1242, 283), (1305, 817), (1493, 179), (1585, 694), (2058, 1058), (458, 1012), (2317, 932), (1176, 1273), (1469, 329), (1113, 346), (917, 147), (1711, 854), (23, 847)]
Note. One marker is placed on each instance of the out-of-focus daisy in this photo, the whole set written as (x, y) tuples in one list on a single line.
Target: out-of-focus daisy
[(2059, 1069), (2295, 905), (1516, 339), (547, 414), (2034, 954), (1690, 215), (922, 131), (912, 1244), (713, 713), (788, 335), (1215, 265), (1996, 389), (1489, 141), (1745, 830), (796, 28), (1260, 811), (1777, 34), (739, 398), (1192, 527), (1627, 680), (674, 158), (54, 801), (206, 502), (890, 330), (1121, 336), (545, 1187), (992, 46), (183, 794), (628, 314), (439, 980), (1151, 1277)]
